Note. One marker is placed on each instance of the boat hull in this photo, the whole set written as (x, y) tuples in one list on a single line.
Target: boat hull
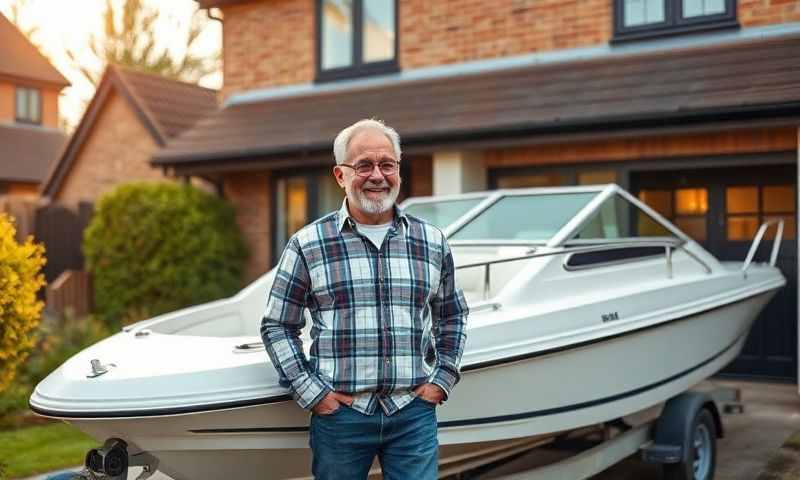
[(497, 406)]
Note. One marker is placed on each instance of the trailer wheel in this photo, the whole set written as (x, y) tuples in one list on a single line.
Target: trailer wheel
[(700, 447)]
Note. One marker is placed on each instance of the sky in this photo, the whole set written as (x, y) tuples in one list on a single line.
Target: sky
[(67, 25)]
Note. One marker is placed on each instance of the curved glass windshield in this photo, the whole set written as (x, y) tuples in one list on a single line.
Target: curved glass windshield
[(525, 217), (442, 213)]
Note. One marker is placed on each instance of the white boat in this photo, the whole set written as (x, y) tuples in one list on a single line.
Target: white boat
[(586, 306)]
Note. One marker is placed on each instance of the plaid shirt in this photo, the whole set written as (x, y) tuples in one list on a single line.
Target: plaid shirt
[(384, 320)]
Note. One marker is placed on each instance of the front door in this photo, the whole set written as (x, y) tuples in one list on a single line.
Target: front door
[(722, 209)]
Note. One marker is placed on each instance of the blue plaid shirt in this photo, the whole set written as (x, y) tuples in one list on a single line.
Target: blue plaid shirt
[(384, 320)]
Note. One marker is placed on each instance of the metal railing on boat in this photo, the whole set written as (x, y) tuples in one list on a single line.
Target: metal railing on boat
[(668, 246), (776, 244)]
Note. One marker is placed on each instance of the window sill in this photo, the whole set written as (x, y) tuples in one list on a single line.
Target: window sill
[(672, 31), (357, 72)]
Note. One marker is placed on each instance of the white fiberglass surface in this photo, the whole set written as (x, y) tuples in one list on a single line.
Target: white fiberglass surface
[(534, 218)]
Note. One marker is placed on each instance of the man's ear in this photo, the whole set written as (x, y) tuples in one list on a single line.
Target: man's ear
[(338, 174)]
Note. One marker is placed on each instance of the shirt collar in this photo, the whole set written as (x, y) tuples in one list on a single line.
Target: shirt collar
[(399, 218)]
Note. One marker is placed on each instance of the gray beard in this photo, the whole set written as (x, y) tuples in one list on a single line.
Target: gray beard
[(374, 207)]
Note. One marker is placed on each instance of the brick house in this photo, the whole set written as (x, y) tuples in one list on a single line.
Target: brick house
[(130, 117), (693, 105), (30, 140)]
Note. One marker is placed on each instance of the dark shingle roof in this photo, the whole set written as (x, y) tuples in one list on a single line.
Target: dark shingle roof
[(28, 152), (19, 58), (734, 82), (173, 105)]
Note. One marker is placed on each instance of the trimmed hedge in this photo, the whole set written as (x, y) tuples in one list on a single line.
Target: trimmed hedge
[(20, 310), (157, 247)]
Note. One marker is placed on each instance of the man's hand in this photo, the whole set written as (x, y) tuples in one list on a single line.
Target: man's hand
[(430, 392), (331, 403)]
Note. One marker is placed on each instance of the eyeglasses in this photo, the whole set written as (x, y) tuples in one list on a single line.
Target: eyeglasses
[(365, 168)]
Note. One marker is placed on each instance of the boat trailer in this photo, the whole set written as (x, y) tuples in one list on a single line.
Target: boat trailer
[(682, 438)]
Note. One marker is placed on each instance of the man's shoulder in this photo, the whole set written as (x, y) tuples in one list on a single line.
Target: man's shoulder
[(315, 230), (422, 228)]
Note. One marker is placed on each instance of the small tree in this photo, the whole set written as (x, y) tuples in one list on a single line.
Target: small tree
[(20, 309), (157, 247), (130, 39)]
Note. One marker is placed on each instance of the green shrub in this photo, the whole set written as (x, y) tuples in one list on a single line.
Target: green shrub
[(20, 309), (156, 247), (55, 343)]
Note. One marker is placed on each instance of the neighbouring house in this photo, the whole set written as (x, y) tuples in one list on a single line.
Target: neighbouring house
[(692, 105), (30, 140), (131, 116)]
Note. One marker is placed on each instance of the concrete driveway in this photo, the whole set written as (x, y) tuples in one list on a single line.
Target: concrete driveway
[(771, 415)]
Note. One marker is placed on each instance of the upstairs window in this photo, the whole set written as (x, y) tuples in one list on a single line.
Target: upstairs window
[(356, 38), (634, 19), (28, 105)]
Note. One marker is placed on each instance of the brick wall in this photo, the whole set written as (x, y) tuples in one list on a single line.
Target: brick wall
[(6, 102), (50, 108), (268, 43), (753, 13), (249, 193), (117, 150), (273, 43)]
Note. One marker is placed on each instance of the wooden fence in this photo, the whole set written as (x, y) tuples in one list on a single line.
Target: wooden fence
[(60, 229)]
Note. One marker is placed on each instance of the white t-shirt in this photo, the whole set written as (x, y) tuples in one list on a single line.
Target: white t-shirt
[(375, 233)]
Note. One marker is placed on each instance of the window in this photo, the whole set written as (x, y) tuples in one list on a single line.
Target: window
[(747, 207), (28, 105), (687, 208), (356, 38), (634, 19), (617, 218)]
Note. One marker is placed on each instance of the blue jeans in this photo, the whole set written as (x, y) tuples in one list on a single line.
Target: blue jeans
[(344, 443)]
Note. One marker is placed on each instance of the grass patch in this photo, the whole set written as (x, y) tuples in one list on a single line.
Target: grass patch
[(31, 450)]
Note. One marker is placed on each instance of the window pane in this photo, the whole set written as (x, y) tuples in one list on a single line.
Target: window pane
[(642, 12), (337, 33), (658, 200), (442, 213), (378, 31), (789, 227), (521, 181), (525, 217), (296, 205), (742, 228), (699, 8), (694, 227), (33, 105), (691, 201), (655, 11), (741, 199), (779, 198), (597, 178), (612, 220), (329, 195), (22, 104)]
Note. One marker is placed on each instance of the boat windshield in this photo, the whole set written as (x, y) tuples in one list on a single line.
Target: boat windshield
[(443, 213), (535, 218)]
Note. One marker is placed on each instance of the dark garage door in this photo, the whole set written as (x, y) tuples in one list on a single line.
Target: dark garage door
[(722, 209)]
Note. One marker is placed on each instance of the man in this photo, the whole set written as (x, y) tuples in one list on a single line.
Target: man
[(388, 321)]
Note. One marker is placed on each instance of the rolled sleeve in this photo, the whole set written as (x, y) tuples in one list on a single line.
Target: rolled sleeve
[(449, 311), (281, 325)]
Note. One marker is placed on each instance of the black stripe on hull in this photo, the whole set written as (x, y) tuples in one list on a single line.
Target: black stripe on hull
[(284, 398)]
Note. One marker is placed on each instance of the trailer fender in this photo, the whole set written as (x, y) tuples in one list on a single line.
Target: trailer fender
[(675, 422)]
